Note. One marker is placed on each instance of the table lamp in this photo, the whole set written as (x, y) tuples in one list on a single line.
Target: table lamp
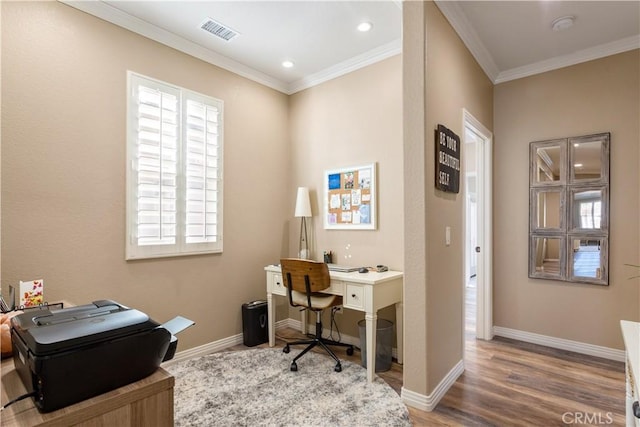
[(303, 210)]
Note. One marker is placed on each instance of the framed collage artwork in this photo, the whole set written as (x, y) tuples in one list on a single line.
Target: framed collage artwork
[(350, 198)]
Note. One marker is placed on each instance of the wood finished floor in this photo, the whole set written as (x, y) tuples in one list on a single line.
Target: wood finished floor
[(512, 383)]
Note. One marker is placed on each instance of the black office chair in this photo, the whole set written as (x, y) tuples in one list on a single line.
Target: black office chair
[(305, 280)]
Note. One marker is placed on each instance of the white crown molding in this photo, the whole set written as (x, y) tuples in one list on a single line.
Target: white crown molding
[(596, 52), (562, 344), (469, 37), (115, 16), (360, 61), (466, 32)]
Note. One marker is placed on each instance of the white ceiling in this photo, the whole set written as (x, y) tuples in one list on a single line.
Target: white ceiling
[(509, 39), (514, 39)]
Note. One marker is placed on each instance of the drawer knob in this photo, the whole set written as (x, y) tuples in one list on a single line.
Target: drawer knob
[(354, 296)]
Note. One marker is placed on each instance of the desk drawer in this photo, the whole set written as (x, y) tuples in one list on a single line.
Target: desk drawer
[(277, 287), (336, 288), (354, 297)]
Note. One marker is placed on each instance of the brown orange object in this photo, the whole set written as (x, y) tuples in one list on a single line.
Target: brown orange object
[(6, 348)]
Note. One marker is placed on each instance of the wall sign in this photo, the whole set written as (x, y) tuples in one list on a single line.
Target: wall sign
[(447, 160)]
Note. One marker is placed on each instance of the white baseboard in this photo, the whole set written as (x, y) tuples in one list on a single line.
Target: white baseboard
[(220, 345), (428, 403), (205, 349), (560, 343)]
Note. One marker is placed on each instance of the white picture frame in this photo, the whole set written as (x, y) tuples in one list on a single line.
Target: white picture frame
[(350, 198)]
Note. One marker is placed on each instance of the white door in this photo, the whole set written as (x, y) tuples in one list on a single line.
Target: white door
[(478, 149)]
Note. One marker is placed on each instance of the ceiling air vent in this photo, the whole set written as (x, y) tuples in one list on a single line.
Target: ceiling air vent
[(219, 30)]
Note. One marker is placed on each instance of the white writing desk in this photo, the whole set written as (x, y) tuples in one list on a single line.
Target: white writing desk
[(367, 292)]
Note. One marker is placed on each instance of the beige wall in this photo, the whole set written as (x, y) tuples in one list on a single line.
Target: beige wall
[(353, 120), (74, 174), (434, 283), (63, 171), (593, 97), (63, 154)]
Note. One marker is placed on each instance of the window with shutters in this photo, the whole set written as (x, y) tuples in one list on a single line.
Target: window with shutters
[(174, 170)]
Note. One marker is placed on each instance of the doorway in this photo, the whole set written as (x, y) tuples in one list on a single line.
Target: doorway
[(477, 283), (471, 236)]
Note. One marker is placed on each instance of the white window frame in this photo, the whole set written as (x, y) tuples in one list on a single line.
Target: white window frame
[(590, 220), (180, 247)]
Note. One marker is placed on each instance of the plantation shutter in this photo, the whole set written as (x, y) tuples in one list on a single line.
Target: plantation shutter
[(202, 165), (174, 178), (156, 158)]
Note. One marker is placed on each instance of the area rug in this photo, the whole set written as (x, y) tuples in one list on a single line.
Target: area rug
[(256, 388)]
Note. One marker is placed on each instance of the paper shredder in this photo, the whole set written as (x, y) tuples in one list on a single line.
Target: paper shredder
[(255, 328)]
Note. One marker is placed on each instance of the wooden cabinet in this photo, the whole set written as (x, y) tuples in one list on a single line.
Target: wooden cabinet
[(148, 402)]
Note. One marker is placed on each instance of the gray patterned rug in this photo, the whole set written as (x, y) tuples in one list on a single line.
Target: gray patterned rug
[(255, 387)]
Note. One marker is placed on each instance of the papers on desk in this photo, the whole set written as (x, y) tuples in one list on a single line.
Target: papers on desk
[(342, 268)]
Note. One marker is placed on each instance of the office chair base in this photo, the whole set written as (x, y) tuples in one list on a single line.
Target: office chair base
[(312, 343)]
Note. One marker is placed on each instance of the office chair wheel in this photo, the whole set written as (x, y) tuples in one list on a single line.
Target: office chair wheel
[(350, 351), (338, 367), (294, 366), (286, 349)]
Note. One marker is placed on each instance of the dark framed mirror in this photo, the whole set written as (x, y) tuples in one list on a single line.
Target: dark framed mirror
[(569, 209)]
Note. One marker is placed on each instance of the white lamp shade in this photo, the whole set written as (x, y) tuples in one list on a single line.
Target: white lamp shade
[(303, 204)]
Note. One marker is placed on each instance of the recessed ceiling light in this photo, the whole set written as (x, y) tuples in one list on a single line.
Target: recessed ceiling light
[(287, 64), (578, 165), (563, 23), (365, 26)]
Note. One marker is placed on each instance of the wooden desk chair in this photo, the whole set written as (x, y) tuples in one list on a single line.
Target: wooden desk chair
[(304, 281)]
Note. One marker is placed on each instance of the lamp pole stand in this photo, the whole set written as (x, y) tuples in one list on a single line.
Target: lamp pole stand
[(303, 252)]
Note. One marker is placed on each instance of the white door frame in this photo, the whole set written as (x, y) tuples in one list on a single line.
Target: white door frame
[(484, 289)]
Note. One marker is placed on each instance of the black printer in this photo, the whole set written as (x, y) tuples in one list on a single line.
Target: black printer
[(69, 355)]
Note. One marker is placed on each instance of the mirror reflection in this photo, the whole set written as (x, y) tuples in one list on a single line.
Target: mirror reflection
[(548, 209), (586, 160), (569, 209), (549, 164), (547, 255), (587, 209), (586, 257)]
